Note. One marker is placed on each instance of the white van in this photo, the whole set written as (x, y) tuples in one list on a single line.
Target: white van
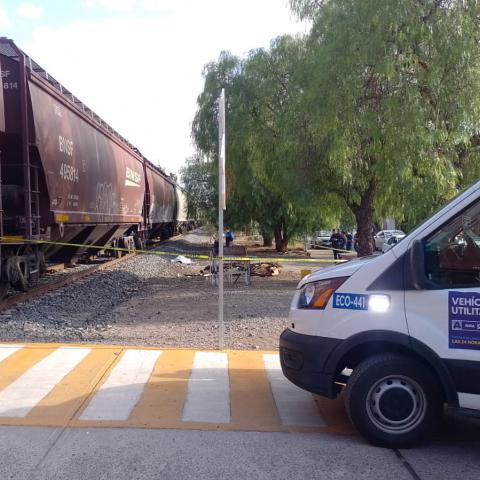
[(399, 332)]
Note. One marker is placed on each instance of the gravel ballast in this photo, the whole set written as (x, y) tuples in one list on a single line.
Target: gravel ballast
[(148, 300)]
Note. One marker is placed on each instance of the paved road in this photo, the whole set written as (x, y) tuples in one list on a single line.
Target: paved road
[(95, 412), (111, 453)]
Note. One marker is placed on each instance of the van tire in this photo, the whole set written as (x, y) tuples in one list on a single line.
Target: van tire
[(393, 400)]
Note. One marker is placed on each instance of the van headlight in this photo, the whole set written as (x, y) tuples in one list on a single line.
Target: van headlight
[(317, 294)]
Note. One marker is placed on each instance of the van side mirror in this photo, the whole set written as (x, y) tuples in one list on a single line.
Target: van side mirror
[(417, 265)]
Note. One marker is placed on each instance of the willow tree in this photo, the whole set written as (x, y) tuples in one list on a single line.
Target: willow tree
[(393, 103), (263, 93), (199, 178)]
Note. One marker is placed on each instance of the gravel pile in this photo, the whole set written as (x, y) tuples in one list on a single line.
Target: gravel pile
[(77, 311), (148, 300)]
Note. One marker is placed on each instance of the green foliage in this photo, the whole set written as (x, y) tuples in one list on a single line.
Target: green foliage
[(375, 114), (199, 178), (264, 184), (393, 102)]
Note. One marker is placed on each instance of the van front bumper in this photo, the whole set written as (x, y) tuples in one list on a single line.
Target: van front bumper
[(303, 359)]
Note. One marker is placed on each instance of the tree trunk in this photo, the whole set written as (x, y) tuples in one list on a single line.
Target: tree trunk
[(267, 239), (364, 216), (281, 237)]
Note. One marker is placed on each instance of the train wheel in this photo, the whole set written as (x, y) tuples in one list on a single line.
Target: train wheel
[(42, 265), (33, 260), (116, 253), (139, 242), (17, 272)]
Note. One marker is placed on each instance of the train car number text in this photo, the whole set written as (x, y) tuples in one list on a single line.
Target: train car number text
[(69, 173)]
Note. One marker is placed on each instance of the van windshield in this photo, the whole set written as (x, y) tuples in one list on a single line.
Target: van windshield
[(452, 252)]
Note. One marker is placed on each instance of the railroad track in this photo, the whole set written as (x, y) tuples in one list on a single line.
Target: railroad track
[(54, 284), (60, 282)]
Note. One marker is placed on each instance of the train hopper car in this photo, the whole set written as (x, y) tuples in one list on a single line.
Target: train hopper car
[(161, 205), (66, 175), (184, 223)]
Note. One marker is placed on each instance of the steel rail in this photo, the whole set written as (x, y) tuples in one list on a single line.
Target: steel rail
[(73, 277)]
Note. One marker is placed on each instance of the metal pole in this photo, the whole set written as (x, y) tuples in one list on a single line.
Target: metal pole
[(221, 206), (220, 280), (25, 146)]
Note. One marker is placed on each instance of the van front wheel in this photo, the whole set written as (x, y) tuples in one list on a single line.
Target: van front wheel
[(393, 400)]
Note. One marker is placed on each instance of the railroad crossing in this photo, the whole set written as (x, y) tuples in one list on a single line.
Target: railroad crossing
[(108, 386)]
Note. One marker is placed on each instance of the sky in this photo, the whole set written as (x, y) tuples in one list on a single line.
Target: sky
[(138, 63)]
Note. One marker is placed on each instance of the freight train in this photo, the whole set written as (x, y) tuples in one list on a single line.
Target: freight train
[(67, 177)]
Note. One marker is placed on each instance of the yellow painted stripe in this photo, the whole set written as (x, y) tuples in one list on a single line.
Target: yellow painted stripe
[(333, 412), (61, 217), (18, 363), (162, 401), (251, 401), (116, 354), (59, 406)]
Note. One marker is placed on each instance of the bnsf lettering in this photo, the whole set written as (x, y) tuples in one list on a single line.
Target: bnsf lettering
[(65, 146), (133, 176), (6, 84)]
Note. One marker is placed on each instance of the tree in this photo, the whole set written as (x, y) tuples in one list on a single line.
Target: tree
[(262, 100), (392, 104), (199, 179)]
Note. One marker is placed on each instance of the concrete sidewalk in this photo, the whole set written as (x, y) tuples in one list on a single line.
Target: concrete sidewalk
[(104, 453)]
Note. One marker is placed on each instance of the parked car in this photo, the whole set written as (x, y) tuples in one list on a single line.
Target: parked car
[(391, 242), (320, 239), (383, 235)]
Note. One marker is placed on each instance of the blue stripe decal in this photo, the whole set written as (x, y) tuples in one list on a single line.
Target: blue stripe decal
[(350, 301)]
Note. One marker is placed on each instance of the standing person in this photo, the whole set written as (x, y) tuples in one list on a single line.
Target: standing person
[(349, 241), (228, 237), (343, 239), (334, 241)]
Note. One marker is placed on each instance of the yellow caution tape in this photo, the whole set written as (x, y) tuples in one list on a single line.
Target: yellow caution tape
[(176, 253), (336, 249)]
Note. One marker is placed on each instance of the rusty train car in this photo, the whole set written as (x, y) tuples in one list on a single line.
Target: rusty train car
[(67, 177)]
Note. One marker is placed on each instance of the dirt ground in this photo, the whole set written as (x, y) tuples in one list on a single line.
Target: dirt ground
[(182, 311), (149, 300)]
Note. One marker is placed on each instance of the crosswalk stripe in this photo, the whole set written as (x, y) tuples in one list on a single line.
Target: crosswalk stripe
[(251, 397), (117, 397), (162, 399), (89, 386), (208, 396), (17, 399), (295, 406), (19, 362), (63, 401), (7, 350)]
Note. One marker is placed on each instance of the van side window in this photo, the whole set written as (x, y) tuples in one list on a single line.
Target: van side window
[(452, 253)]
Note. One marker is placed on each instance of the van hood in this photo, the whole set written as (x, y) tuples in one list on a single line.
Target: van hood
[(343, 270)]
